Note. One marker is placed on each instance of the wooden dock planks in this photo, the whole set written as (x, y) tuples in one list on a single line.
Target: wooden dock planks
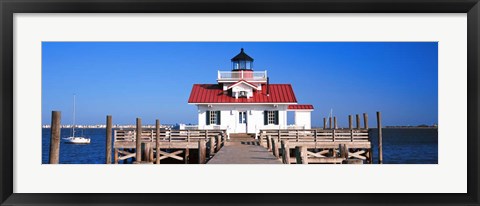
[(244, 153)]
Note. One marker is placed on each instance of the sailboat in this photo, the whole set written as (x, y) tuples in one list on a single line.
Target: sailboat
[(73, 139)]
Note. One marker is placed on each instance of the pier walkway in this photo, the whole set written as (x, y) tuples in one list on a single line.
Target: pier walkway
[(243, 152)]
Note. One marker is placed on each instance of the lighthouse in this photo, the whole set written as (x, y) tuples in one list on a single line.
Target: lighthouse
[(244, 101)]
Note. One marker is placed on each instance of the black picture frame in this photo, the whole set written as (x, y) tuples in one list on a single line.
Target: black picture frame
[(10, 7)]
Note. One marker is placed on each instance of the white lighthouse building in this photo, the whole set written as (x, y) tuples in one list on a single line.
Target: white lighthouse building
[(243, 101)]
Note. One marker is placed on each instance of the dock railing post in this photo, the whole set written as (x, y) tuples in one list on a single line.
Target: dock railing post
[(202, 151), (219, 142), (333, 135), (301, 154), (269, 143), (108, 150), (351, 135), (259, 139), (55, 138), (212, 146), (157, 141), (275, 148), (324, 123), (379, 127), (138, 139), (285, 152), (365, 120), (330, 122)]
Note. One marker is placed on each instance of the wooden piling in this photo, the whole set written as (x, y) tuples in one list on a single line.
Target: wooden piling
[(55, 138), (324, 123), (380, 149), (343, 151), (138, 139), (350, 125), (301, 154), (285, 152), (108, 150), (202, 152), (187, 155), (150, 153), (358, 121), (212, 146), (157, 141), (335, 122), (115, 156), (219, 143), (365, 120), (269, 143), (275, 148), (330, 122), (146, 151)]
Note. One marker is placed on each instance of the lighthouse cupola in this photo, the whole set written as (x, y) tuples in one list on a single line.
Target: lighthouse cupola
[(242, 62)]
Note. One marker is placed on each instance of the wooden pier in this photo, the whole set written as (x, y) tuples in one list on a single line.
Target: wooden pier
[(301, 146), (320, 146), (148, 147), (244, 152), (327, 145)]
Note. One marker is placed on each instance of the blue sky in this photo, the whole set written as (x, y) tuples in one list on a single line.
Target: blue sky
[(153, 79)]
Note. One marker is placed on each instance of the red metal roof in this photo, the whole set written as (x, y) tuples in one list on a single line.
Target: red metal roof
[(213, 93), (300, 107)]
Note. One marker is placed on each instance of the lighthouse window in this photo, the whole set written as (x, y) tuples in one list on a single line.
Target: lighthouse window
[(271, 117), (213, 117)]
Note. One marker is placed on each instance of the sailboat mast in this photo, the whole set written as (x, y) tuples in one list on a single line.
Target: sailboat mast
[(73, 131)]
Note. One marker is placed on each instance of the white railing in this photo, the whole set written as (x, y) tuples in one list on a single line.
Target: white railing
[(246, 75)]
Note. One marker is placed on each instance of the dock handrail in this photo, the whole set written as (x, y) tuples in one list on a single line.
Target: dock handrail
[(166, 135), (316, 135)]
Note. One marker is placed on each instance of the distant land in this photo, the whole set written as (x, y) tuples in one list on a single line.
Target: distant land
[(99, 126)]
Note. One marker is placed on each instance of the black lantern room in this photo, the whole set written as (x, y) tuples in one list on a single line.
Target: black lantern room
[(242, 62)]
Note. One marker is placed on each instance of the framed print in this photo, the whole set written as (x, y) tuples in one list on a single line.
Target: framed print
[(243, 102)]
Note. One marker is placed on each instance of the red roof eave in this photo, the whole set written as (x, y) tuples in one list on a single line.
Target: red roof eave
[(214, 94), (300, 107)]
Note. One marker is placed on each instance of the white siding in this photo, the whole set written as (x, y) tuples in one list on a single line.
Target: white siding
[(303, 119), (255, 119)]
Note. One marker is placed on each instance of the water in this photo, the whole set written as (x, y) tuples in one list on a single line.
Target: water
[(400, 146), (407, 146), (93, 153)]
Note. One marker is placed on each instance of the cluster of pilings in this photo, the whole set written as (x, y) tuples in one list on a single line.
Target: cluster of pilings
[(358, 126), (328, 125)]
